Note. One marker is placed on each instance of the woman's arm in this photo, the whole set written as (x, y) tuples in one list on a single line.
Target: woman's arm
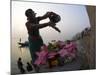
[(45, 25), (56, 28), (38, 26), (44, 16)]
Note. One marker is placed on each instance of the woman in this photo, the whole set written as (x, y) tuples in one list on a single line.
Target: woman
[(33, 26)]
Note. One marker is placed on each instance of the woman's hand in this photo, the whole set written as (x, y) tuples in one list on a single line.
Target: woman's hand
[(52, 24)]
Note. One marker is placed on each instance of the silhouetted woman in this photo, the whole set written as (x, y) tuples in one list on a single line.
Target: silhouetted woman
[(33, 26)]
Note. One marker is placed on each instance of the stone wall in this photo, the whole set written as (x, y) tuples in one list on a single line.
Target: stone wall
[(89, 42), (91, 52)]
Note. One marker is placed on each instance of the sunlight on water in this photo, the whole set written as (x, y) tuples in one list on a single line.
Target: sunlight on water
[(17, 52)]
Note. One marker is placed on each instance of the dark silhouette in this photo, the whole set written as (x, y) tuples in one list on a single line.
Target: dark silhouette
[(33, 26), (29, 67), (20, 65)]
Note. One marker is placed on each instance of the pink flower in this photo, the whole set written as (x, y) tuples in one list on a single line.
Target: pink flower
[(51, 54), (68, 50), (42, 56)]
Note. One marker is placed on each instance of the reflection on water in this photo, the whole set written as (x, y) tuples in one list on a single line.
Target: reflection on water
[(17, 52)]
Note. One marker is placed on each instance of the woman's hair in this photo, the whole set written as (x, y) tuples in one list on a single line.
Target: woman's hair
[(28, 12)]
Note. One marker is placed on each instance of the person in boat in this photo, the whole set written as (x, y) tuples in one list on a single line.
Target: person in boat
[(20, 65), (33, 26), (29, 67)]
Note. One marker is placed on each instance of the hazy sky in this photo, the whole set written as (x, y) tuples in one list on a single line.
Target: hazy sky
[(73, 19)]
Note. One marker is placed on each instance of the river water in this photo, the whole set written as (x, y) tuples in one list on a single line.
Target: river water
[(17, 52)]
